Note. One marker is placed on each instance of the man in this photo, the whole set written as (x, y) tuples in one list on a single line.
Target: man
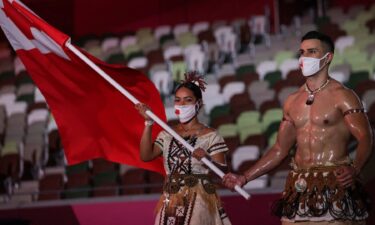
[(319, 120)]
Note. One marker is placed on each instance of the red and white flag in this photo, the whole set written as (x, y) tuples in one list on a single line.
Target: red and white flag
[(94, 119)]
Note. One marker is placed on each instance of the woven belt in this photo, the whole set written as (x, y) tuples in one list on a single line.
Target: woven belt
[(175, 181)]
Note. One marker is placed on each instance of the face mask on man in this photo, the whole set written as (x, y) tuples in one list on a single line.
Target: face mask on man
[(310, 65), (186, 112)]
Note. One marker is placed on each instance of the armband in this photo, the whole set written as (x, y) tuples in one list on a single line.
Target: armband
[(350, 111), (287, 120)]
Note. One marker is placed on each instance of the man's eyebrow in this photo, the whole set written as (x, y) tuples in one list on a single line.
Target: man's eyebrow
[(301, 50)]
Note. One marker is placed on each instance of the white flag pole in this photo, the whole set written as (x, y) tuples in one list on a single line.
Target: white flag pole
[(149, 113)]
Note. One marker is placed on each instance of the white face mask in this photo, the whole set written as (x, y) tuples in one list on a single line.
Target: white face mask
[(186, 112), (310, 66)]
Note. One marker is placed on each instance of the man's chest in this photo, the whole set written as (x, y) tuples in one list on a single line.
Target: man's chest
[(323, 112)]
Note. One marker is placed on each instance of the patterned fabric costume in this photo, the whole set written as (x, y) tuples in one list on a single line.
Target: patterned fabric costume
[(189, 196), (314, 194)]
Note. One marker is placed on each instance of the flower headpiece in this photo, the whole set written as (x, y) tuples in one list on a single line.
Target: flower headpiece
[(195, 78)]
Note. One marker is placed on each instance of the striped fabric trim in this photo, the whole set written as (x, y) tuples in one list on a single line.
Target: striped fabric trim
[(218, 147), (160, 143)]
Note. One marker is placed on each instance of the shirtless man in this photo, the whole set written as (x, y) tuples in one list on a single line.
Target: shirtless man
[(319, 120)]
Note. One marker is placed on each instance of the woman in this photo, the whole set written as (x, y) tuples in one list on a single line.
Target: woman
[(189, 196)]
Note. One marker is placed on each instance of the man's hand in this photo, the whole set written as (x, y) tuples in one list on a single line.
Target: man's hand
[(230, 180), (346, 176)]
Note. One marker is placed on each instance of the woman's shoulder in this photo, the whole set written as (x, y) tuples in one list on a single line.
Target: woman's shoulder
[(209, 131), (162, 134), (204, 132)]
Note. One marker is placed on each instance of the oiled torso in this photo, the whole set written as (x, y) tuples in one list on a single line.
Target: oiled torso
[(321, 133)]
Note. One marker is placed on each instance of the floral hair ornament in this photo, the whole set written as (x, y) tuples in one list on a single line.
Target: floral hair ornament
[(195, 78)]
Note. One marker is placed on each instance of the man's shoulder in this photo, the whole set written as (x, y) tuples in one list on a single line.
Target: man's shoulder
[(292, 97), (343, 94), (340, 90)]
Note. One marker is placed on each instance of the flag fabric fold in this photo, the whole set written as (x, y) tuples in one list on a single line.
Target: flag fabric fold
[(94, 119)]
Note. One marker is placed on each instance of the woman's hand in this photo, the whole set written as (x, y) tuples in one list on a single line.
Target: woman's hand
[(199, 153), (142, 108)]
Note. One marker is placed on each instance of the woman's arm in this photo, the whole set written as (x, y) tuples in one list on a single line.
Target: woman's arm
[(148, 151)]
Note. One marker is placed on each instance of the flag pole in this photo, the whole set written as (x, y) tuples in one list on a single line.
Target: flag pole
[(149, 113)]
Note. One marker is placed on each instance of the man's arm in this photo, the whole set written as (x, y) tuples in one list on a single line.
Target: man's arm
[(359, 126), (357, 123), (286, 138)]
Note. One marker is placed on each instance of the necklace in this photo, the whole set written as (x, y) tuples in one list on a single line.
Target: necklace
[(186, 131), (310, 98)]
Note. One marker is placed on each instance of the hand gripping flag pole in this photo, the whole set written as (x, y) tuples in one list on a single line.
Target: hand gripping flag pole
[(149, 113)]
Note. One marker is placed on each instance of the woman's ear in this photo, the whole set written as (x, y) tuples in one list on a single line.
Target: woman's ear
[(330, 57), (199, 104)]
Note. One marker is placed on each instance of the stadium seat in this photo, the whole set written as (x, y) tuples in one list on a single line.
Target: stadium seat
[(199, 27), (240, 103), (228, 130), (368, 98), (132, 182), (50, 187), (265, 67), (244, 153), (270, 116), (155, 182), (162, 31), (231, 89), (180, 29)]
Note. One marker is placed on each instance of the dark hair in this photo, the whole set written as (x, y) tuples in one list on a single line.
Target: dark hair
[(194, 82), (325, 39), (192, 87)]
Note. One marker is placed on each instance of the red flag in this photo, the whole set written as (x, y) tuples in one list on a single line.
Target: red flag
[(94, 119)]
